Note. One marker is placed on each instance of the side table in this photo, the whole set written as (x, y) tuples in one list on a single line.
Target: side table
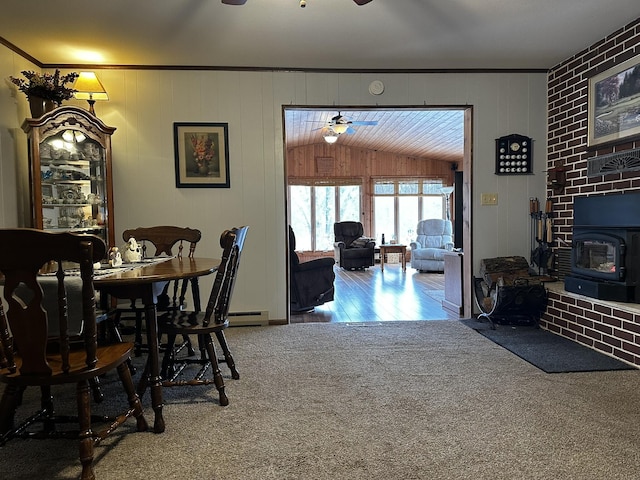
[(393, 248)]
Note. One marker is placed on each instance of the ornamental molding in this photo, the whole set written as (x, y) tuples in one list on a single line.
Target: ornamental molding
[(619, 162)]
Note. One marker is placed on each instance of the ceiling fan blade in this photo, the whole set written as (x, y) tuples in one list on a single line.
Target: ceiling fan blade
[(350, 130), (364, 122), (236, 2), (361, 2)]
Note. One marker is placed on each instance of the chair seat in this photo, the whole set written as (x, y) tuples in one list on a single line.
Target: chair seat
[(356, 253), (429, 254), (109, 357), (191, 323)]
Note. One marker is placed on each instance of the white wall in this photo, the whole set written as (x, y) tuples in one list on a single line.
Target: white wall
[(144, 104), (13, 144)]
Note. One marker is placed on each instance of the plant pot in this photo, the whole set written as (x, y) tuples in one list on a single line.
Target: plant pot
[(39, 106)]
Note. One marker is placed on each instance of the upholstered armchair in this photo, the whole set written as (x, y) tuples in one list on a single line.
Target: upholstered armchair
[(352, 250), (311, 283), (434, 239)]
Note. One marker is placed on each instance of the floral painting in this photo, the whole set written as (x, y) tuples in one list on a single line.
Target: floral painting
[(614, 104), (201, 154)]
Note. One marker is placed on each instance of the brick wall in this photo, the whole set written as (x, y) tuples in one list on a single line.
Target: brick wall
[(613, 329)]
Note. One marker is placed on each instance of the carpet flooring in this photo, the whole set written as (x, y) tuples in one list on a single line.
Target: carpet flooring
[(366, 401), (546, 350)]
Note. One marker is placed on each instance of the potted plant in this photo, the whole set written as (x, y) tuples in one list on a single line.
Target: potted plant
[(45, 91)]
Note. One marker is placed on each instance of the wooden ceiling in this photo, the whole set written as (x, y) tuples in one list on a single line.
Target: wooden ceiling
[(434, 133)]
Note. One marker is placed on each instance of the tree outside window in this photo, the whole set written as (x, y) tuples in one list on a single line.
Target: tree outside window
[(400, 203), (316, 206)]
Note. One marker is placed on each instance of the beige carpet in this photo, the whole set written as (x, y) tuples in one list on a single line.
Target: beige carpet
[(402, 400)]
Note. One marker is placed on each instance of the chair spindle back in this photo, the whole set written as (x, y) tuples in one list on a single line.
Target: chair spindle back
[(24, 254)]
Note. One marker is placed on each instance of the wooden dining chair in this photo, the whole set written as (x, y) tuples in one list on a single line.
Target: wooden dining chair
[(214, 320), (35, 356), (162, 240)]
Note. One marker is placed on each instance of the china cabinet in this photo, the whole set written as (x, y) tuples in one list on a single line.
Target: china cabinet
[(70, 177)]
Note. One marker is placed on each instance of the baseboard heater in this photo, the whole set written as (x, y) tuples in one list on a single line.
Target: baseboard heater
[(245, 319)]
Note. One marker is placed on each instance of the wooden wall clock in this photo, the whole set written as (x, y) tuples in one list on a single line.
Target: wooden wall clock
[(514, 155)]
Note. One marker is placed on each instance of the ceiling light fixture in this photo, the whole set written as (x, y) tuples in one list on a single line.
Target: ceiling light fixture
[(90, 89), (340, 128), (330, 136)]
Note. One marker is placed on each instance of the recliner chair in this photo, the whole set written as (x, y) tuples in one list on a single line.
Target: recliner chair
[(310, 283), (434, 239), (353, 251)]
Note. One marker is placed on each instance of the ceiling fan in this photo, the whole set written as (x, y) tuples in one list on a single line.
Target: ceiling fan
[(242, 2), (341, 124)]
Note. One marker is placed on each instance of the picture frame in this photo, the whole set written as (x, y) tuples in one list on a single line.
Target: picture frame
[(201, 155), (614, 104)]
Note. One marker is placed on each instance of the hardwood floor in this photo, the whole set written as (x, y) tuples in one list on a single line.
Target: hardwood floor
[(373, 296)]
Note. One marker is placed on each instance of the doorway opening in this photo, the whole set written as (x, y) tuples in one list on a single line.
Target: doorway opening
[(382, 166)]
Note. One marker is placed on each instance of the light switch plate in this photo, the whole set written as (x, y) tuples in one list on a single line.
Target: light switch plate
[(489, 199)]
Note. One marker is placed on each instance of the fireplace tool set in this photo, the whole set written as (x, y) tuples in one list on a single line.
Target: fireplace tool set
[(541, 235)]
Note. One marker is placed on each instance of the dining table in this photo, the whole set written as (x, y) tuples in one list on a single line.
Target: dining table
[(144, 281)]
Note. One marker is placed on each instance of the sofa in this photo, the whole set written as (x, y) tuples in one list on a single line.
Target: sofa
[(434, 239)]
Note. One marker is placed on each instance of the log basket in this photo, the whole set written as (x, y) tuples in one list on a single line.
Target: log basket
[(507, 294)]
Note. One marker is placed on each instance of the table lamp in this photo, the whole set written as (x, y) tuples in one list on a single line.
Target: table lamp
[(90, 89)]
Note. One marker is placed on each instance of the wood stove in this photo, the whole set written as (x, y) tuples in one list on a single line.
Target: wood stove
[(605, 247)]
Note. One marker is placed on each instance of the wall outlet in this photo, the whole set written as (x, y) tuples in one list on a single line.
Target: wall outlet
[(489, 199)]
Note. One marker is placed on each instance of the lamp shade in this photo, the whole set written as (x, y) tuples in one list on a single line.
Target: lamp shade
[(340, 128), (89, 87), (330, 137)]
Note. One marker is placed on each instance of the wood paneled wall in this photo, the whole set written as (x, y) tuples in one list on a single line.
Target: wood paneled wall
[(358, 162), (338, 161)]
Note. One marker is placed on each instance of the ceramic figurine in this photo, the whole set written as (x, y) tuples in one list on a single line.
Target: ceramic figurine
[(115, 259), (131, 252)]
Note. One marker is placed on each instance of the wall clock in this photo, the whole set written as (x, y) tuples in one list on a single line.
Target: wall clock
[(514, 155)]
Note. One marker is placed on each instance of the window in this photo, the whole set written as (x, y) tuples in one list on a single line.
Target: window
[(398, 205), (301, 215), (316, 205)]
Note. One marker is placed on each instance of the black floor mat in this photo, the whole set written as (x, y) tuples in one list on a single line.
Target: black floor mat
[(545, 350)]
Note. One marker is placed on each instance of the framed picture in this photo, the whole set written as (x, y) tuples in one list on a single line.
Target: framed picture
[(202, 155), (614, 104)]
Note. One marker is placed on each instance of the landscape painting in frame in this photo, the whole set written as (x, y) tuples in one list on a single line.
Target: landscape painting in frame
[(202, 155), (614, 104)]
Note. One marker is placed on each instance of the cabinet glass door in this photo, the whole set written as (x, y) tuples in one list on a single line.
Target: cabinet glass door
[(73, 180)]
